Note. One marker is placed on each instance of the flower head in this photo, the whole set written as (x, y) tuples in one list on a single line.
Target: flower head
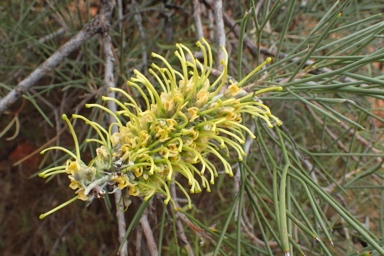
[(181, 128)]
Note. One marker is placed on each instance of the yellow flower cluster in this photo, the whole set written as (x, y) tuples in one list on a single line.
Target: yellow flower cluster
[(181, 129)]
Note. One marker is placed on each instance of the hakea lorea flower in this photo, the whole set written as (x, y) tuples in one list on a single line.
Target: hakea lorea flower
[(187, 121)]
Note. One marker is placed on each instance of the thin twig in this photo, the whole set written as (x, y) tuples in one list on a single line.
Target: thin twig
[(144, 219), (110, 83), (179, 225), (248, 230), (147, 230), (139, 24), (197, 18), (120, 15), (99, 24), (230, 23), (220, 32), (49, 36), (37, 151), (210, 25), (139, 239)]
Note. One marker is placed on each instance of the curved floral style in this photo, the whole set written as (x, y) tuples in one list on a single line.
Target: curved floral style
[(185, 124)]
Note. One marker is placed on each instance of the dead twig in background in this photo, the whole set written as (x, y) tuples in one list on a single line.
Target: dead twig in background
[(110, 83), (98, 25), (139, 239), (197, 19), (147, 230), (220, 32), (179, 225), (140, 27)]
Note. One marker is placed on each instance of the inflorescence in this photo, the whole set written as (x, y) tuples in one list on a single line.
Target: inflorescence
[(182, 127)]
